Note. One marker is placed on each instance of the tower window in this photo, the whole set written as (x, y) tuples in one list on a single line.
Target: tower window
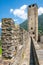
[(29, 5), (33, 33), (31, 28), (33, 5)]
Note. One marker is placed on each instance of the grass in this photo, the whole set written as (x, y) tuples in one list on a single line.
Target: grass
[(0, 50)]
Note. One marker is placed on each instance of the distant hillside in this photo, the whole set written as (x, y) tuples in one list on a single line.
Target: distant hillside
[(24, 25), (40, 24)]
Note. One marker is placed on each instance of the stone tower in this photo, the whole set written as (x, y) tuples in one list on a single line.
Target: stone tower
[(33, 20)]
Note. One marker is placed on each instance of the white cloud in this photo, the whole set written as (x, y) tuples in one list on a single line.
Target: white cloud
[(0, 24), (23, 7), (15, 19), (21, 12), (11, 10), (40, 11)]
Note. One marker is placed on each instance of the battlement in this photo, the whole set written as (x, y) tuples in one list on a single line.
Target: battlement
[(33, 5)]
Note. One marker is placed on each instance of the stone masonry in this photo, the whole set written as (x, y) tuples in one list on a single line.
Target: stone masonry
[(14, 41), (7, 38)]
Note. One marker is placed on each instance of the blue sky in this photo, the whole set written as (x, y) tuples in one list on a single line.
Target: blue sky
[(17, 9)]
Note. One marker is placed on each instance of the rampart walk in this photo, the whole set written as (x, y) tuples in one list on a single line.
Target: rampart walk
[(37, 52)]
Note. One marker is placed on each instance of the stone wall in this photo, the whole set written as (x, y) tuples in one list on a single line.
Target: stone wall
[(33, 45), (37, 52), (14, 41), (7, 38)]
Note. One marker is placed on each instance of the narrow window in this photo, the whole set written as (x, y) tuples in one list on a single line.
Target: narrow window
[(31, 28)]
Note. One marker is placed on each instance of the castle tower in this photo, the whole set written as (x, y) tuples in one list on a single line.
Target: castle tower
[(33, 20)]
